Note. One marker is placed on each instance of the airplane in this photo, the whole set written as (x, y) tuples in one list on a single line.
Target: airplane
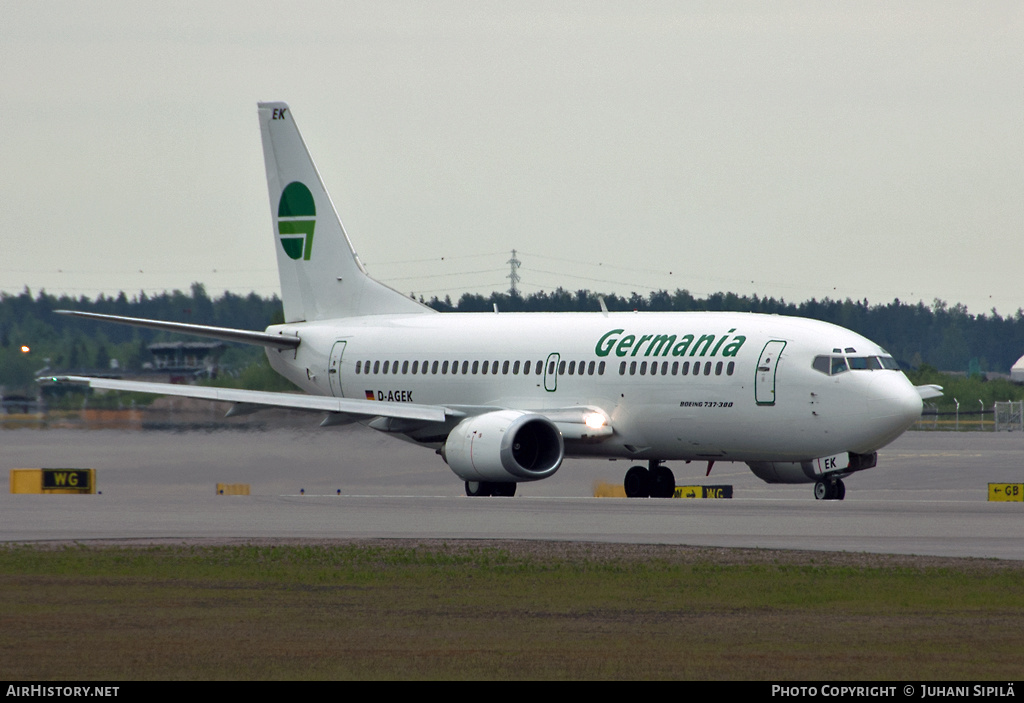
[(505, 398)]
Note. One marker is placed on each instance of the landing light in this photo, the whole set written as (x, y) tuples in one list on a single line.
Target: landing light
[(25, 349), (594, 421)]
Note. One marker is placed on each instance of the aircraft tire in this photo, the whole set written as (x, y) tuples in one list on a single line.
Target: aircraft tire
[(663, 482), (504, 490), (477, 489), (822, 490), (840, 489), (638, 482)]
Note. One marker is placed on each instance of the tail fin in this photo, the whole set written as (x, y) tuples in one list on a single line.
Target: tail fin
[(321, 276)]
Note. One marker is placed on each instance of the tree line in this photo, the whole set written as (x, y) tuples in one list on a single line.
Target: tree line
[(939, 335)]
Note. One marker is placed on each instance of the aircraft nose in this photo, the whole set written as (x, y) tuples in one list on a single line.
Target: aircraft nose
[(897, 405), (894, 406), (909, 404)]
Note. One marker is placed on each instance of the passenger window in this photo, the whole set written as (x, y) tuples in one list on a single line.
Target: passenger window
[(465, 367), (433, 367), (358, 365), (729, 369), (632, 368), (580, 368), (643, 368), (654, 368), (561, 368), (485, 368), (572, 367), (444, 368), (405, 367), (590, 368), (376, 366), (526, 368), (718, 368), (387, 364), (515, 368), (707, 369), (600, 369), (415, 367), (476, 367), (622, 368), (504, 367)]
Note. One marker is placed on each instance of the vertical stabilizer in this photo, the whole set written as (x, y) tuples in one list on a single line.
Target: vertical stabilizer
[(321, 275)]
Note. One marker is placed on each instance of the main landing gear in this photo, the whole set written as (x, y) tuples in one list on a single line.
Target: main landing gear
[(657, 481), (830, 490), (490, 488)]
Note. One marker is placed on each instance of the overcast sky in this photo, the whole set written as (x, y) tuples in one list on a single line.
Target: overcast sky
[(859, 149)]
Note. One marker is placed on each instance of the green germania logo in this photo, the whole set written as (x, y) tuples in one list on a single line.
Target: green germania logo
[(614, 342), (296, 220)]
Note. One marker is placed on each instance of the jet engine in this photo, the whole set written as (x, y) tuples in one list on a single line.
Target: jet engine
[(807, 471), (504, 446), (784, 471)]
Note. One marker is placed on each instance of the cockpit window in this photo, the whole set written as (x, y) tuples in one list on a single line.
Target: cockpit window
[(889, 363), (832, 365)]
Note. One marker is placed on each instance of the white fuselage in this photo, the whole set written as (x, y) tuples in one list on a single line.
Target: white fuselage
[(755, 395)]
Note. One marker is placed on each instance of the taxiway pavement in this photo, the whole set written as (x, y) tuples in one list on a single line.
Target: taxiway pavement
[(927, 496)]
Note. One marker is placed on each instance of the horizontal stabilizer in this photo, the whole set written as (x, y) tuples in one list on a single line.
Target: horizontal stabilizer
[(227, 334)]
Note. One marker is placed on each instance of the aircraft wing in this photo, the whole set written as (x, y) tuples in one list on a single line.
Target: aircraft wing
[(296, 401), (574, 423), (929, 391)]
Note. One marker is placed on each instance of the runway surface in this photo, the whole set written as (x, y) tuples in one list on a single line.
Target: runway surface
[(927, 496)]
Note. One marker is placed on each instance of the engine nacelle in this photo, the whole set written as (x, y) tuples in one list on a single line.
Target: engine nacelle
[(504, 446), (784, 471), (809, 471)]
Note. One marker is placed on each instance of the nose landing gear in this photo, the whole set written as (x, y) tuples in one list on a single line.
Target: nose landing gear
[(826, 489)]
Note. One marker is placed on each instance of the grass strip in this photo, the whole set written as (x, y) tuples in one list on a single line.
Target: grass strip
[(478, 610)]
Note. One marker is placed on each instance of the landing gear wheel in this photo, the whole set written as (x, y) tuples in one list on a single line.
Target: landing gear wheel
[(663, 482), (823, 490), (638, 483), (504, 490), (476, 489), (830, 490)]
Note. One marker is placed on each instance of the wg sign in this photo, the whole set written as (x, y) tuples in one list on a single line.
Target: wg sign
[(53, 480), (77, 479)]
